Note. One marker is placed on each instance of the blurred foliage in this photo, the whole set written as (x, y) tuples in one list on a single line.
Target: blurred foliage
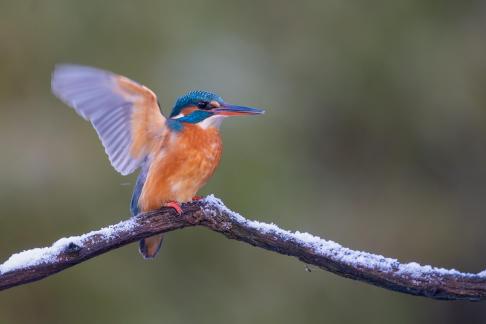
[(374, 137)]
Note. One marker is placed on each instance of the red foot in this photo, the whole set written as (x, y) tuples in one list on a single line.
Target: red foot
[(175, 205), (197, 198)]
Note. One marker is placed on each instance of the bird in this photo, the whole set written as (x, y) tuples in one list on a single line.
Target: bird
[(175, 155)]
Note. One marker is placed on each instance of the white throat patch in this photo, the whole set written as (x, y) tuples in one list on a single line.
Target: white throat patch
[(213, 121)]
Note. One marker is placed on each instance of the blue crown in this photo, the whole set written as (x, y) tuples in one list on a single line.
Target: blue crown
[(192, 98)]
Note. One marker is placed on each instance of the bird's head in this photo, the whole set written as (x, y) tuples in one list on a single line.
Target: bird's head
[(207, 109)]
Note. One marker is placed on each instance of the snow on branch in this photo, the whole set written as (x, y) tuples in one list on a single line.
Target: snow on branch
[(411, 278)]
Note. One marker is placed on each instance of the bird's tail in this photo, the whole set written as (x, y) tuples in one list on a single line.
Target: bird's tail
[(149, 247)]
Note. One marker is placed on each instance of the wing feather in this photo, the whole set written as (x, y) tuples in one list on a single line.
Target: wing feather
[(124, 113)]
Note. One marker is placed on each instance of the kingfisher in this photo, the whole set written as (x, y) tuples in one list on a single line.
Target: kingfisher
[(176, 155)]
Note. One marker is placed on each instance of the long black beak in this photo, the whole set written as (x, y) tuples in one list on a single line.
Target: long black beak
[(230, 110)]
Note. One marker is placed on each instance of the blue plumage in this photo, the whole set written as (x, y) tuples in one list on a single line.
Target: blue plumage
[(196, 116), (174, 125), (137, 190)]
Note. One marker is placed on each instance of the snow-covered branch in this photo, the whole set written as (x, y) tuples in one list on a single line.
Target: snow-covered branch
[(411, 278)]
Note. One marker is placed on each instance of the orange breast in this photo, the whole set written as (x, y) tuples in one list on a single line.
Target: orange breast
[(181, 167)]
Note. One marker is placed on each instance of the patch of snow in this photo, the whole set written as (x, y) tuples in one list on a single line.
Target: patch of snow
[(337, 252), (38, 256)]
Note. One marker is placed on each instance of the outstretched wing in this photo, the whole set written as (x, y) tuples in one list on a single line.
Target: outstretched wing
[(125, 114)]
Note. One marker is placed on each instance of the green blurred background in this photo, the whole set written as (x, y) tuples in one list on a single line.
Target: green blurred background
[(375, 137)]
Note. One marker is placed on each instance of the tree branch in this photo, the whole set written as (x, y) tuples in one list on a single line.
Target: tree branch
[(410, 278)]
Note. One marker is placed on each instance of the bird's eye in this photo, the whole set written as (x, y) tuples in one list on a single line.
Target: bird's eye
[(203, 105)]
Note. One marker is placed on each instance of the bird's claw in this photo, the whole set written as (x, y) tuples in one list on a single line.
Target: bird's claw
[(175, 205)]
